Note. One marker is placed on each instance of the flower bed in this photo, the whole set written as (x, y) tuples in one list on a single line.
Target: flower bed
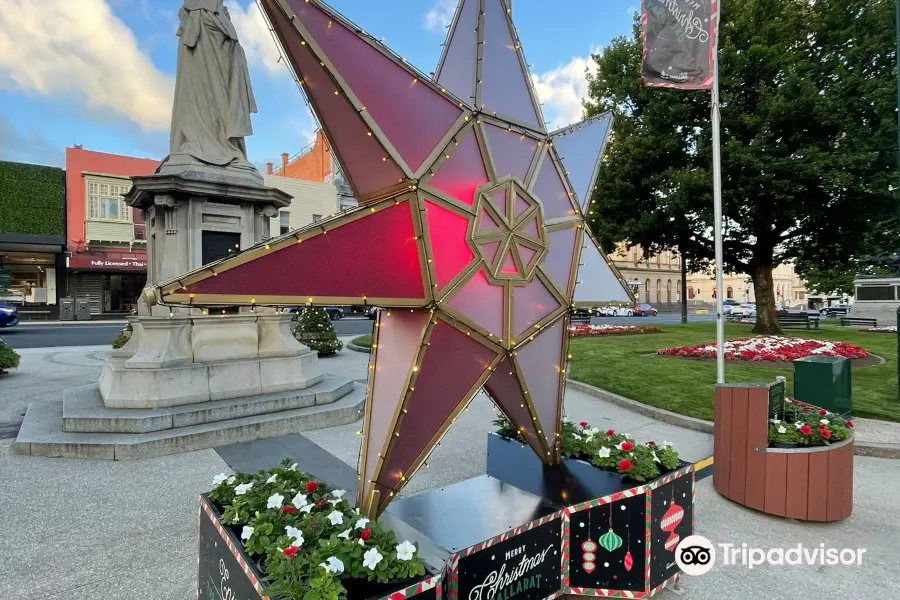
[(768, 349), (592, 330), (807, 425), (884, 329), (608, 450), (307, 540)]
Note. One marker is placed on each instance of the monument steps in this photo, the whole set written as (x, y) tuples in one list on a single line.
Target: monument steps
[(42, 432)]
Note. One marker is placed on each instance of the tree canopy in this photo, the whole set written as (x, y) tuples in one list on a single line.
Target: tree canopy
[(808, 129)]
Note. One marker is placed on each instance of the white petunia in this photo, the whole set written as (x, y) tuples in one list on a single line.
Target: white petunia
[(668, 444), (336, 517), (272, 479), (576, 436), (775, 421), (306, 509), (345, 534), (335, 501), (231, 480), (242, 489), (275, 501), (361, 541), (371, 559), (299, 500), (246, 532), (798, 425), (361, 524), (781, 429), (220, 479), (338, 493), (824, 421), (295, 534), (333, 565), (405, 551), (603, 452), (655, 458), (595, 430), (293, 467)]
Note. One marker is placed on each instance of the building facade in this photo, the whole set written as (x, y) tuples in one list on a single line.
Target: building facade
[(654, 280), (32, 238), (312, 201), (106, 238), (315, 163), (790, 290)]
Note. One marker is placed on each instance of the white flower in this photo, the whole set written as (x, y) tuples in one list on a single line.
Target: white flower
[(361, 524), (295, 534), (371, 559), (335, 501), (775, 421), (361, 541), (781, 429), (299, 500), (272, 479), (655, 457), (405, 551), (338, 493), (668, 444), (242, 489), (345, 534), (798, 425), (603, 452), (333, 565), (220, 479), (576, 436), (246, 532), (306, 509), (824, 421), (231, 480), (275, 501), (293, 467), (336, 517)]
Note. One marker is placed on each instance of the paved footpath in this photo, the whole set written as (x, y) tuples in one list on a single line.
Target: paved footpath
[(80, 529)]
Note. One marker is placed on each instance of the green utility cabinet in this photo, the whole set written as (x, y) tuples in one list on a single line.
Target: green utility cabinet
[(824, 381)]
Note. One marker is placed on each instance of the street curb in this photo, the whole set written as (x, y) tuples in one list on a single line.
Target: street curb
[(873, 449), (355, 348)]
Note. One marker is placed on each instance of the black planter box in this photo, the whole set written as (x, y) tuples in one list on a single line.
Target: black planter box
[(226, 573)]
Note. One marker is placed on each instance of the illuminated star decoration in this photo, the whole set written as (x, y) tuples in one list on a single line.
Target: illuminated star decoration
[(469, 233)]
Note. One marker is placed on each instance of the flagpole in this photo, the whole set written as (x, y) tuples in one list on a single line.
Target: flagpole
[(717, 213)]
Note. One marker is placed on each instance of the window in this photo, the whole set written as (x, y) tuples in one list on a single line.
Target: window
[(669, 290), (658, 288), (678, 289), (729, 292), (284, 221), (647, 291), (316, 218), (690, 292), (105, 200), (875, 292)]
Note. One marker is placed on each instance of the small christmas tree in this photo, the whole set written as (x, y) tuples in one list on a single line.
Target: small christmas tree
[(315, 330)]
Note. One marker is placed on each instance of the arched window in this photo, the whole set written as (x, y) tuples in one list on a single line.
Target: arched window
[(647, 291), (729, 292), (678, 290), (690, 292), (658, 291), (669, 291)]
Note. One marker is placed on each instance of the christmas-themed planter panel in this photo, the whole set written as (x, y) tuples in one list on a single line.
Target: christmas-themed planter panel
[(671, 520), (524, 563)]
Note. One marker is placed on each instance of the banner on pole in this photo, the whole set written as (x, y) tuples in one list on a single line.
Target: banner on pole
[(679, 43)]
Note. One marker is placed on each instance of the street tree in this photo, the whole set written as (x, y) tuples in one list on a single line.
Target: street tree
[(809, 138)]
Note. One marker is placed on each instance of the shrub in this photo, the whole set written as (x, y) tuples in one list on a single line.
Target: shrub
[(314, 329)]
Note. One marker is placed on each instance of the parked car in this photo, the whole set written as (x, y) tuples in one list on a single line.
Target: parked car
[(745, 311), (371, 312), (728, 306), (9, 315), (644, 310), (335, 313), (838, 310)]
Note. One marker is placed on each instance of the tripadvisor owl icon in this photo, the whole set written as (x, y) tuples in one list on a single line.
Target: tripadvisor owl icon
[(695, 555)]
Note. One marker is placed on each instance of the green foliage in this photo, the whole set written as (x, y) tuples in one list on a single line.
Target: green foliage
[(363, 341), (808, 425), (31, 199), (123, 338), (606, 450), (9, 358), (314, 329), (329, 527), (808, 128)]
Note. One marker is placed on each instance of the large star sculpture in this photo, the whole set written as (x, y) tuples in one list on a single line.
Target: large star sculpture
[(469, 235)]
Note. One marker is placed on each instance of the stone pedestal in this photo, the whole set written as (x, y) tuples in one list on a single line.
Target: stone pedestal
[(163, 342), (275, 337), (225, 337)]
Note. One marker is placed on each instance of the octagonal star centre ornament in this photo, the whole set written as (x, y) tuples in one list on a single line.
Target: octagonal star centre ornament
[(469, 236)]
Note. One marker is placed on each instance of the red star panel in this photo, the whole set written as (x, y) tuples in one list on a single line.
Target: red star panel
[(469, 235)]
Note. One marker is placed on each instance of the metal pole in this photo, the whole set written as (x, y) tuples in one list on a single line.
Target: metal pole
[(717, 216)]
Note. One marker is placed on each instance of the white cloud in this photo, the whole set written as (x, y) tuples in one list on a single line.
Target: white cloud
[(81, 49), (562, 89), (253, 32), (440, 15)]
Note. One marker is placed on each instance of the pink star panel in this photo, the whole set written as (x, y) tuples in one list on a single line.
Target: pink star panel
[(468, 234)]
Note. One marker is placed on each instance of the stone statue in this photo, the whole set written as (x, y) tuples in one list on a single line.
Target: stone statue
[(213, 97)]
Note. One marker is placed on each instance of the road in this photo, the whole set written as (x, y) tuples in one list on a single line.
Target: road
[(54, 335)]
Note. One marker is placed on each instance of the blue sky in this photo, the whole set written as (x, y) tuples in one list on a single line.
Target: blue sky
[(100, 72)]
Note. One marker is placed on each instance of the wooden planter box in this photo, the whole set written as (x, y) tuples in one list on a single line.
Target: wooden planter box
[(226, 573), (806, 483)]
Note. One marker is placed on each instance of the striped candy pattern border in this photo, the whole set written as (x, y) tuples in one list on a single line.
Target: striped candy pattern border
[(238, 555)]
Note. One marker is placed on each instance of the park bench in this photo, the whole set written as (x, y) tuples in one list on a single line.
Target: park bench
[(858, 322), (798, 320)]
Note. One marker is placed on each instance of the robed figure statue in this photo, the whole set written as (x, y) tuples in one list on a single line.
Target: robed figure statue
[(213, 97)]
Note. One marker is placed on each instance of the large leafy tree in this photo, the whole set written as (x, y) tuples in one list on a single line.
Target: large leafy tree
[(809, 136)]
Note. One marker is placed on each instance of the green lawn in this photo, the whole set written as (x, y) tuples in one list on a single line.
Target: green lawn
[(364, 341), (617, 364)]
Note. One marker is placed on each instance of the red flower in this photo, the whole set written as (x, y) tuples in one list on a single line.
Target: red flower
[(822, 412), (825, 433), (806, 430), (849, 424), (364, 534), (583, 424), (806, 411), (311, 486), (290, 551), (610, 433), (625, 465), (627, 446), (288, 509), (651, 444)]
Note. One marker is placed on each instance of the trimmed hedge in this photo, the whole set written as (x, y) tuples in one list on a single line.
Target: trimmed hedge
[(31, 199)]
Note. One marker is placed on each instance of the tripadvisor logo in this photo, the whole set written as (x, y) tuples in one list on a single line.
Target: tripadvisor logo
[(502, 585)]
